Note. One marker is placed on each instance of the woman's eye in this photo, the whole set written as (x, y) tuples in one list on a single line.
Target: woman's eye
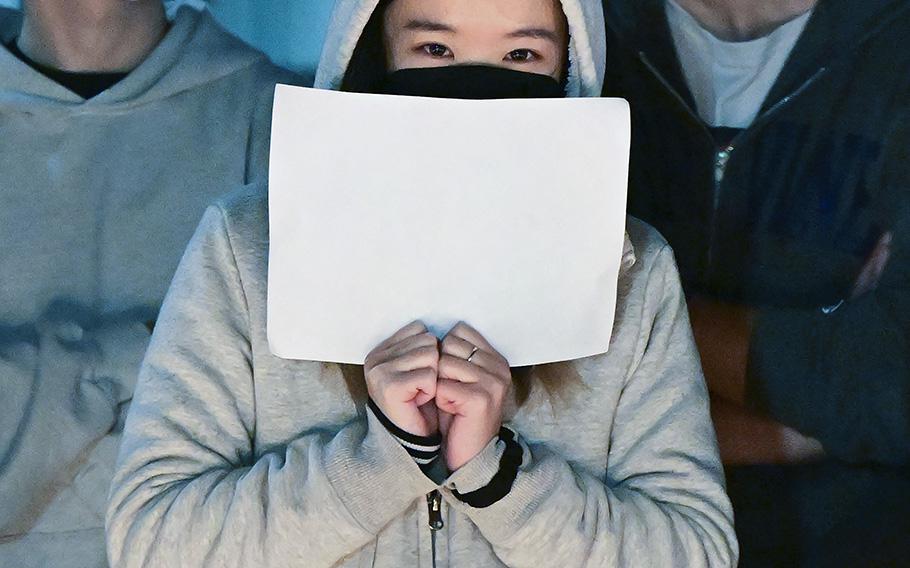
[(436, 50), (521, 56)]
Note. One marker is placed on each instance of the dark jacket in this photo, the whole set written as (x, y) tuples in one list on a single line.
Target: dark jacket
[(784, 217)]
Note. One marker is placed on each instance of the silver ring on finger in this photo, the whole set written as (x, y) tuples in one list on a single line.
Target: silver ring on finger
[(473, 352)]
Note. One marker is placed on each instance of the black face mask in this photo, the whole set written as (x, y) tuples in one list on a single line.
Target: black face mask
[(471, 82)]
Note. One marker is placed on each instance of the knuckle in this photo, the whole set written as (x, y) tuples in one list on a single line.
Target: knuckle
[(414, 376), (427, 350), (427, 375), (423, 341), (495, 378), (427, 355), (381, 371), (418, 377), (445, 361), (370, 360)]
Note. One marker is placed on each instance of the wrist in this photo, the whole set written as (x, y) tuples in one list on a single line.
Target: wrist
[(413, 425), (460, 453), (489, 476), (424, 449), (407, 434)]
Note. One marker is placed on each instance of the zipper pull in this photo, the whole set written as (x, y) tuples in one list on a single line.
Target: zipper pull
[(720, 163), (434, 508)]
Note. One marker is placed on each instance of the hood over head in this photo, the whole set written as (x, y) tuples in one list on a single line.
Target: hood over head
[(587, 44), (587, 56)]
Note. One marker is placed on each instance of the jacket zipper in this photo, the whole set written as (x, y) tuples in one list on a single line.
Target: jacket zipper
[(720, 164), (434, 508), (722, 156)]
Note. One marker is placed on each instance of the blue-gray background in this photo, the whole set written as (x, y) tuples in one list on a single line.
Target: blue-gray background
[(289, 31)]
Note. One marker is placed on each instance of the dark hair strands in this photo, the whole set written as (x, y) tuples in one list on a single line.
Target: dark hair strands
[(368, 66)]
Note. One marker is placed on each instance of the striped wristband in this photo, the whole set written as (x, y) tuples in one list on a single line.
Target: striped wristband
[(423, 449)]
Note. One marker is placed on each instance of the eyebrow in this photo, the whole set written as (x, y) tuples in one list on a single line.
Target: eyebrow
[(537, 33), (431, 26), (428, 26)]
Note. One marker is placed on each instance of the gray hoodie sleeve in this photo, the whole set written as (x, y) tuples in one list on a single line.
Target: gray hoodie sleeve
[(63, 387), (189, 490), (661, 501)]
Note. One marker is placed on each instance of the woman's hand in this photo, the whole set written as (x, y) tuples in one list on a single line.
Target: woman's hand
[(469, 394), (401, 379)]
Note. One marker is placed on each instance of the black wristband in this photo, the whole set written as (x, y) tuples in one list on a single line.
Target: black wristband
[(501, 483)]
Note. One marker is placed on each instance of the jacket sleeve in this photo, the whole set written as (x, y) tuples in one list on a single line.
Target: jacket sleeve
[(844, 377), (661, 501), (63, 388), (189, 488)]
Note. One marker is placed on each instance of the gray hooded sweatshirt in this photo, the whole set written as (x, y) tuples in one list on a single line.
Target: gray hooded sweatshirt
[(98, 200), (234, 457)]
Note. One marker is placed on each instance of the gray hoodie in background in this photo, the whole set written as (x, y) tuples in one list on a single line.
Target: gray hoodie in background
[(234, 457), (98, 200)]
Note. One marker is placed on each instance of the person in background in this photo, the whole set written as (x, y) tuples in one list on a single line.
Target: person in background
[(431, 454), (117, 128), (770, 147)]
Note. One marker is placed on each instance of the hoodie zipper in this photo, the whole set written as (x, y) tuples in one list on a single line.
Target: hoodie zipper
[(434, 510), (723, 155)]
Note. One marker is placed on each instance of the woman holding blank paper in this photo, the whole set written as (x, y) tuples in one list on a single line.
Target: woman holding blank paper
[(433, 453)]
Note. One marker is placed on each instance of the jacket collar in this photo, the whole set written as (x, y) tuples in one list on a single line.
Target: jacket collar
[(836, 29)]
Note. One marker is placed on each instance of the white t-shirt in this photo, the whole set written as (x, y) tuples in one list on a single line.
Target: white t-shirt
[(730, 80)]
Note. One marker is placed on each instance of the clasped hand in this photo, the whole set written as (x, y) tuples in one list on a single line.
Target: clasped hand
[(423, 386)]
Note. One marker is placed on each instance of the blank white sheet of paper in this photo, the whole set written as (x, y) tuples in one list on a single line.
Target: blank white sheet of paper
[(506, 214)]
